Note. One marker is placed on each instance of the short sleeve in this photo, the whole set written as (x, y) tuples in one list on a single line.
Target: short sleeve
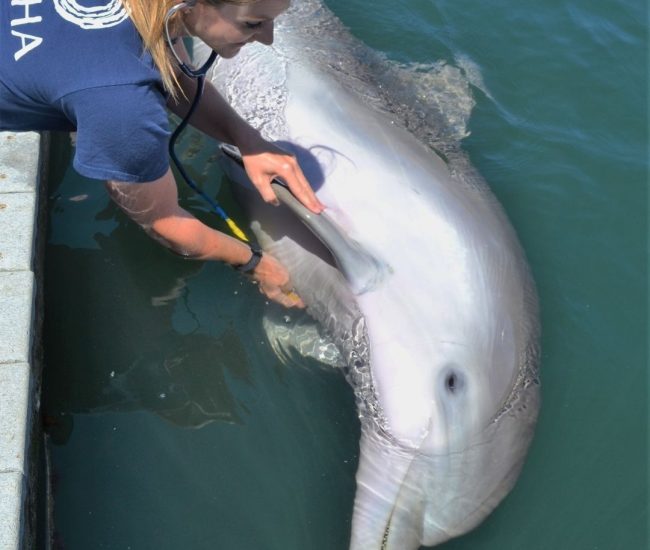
[(122, 132)]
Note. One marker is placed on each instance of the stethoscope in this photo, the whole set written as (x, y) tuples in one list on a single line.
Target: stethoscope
[(198, 74), (189, 71)]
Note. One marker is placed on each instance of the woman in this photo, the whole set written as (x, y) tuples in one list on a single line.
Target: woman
[(104, 69)]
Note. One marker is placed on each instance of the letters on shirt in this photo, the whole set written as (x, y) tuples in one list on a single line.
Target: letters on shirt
[(94, 17), (28, 42)]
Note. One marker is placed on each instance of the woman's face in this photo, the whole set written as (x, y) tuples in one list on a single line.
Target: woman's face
[(228, 27)]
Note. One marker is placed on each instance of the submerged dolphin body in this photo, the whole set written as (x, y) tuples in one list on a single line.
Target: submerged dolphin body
[(441, 340)]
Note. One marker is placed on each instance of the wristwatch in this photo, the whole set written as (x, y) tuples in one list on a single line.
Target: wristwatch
[(251, 264)]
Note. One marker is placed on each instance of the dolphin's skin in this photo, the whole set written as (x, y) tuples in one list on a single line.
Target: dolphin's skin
[(442, 347)]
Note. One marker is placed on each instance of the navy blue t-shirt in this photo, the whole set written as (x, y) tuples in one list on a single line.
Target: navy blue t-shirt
[(80, 65)]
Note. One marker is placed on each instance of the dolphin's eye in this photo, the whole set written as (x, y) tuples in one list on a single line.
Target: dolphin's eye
[(451, 382)]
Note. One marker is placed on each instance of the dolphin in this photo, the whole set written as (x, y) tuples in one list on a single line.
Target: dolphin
[(418, 278)]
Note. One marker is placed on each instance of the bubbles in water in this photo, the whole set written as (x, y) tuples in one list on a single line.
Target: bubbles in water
[(258, 94), (294, 338), (78, 198)]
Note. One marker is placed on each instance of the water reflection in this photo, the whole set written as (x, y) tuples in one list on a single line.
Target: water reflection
[(119, 351), (173, 423)]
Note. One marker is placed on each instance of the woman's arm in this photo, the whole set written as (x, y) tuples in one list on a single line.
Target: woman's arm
[(154, 206), (263, 160)]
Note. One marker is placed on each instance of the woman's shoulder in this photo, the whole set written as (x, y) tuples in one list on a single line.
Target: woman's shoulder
[(58, 49)]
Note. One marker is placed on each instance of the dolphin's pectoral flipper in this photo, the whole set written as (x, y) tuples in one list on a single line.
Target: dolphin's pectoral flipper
[(361, 269)]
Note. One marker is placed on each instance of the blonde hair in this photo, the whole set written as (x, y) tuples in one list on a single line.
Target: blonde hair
[(148, 17)]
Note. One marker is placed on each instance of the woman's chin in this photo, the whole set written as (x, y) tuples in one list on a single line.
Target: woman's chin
[(229, 51)]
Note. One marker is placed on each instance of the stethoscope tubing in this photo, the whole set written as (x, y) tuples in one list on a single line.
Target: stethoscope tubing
[(199, 75), (200, 83)]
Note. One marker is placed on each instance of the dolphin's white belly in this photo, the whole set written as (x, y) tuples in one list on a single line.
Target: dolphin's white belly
[(452, 257), (441, 350)]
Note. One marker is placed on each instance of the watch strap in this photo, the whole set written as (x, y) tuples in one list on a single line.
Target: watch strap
[(251, 264)]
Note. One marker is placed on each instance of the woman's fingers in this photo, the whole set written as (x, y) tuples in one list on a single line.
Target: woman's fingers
[(282, 297), (263, 167), (301, 189), (274, 282), (263, 186), (293, 299)]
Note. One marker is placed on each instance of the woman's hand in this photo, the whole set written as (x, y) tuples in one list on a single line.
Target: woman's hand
[(274, 282), (264, 161)]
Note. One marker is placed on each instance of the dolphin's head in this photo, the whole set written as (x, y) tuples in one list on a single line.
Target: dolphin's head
[(457, 417)]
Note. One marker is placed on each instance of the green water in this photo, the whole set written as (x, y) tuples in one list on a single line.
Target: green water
[(174, 426)]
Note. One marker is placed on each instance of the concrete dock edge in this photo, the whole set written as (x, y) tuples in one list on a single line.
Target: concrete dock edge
[(23, 165)]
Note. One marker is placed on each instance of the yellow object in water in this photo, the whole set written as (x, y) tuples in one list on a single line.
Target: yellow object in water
[(236, 231)]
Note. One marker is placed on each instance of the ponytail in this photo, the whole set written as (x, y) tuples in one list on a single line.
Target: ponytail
[(148, 17)]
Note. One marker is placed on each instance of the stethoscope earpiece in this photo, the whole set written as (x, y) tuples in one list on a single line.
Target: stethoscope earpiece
[(189, 71)]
